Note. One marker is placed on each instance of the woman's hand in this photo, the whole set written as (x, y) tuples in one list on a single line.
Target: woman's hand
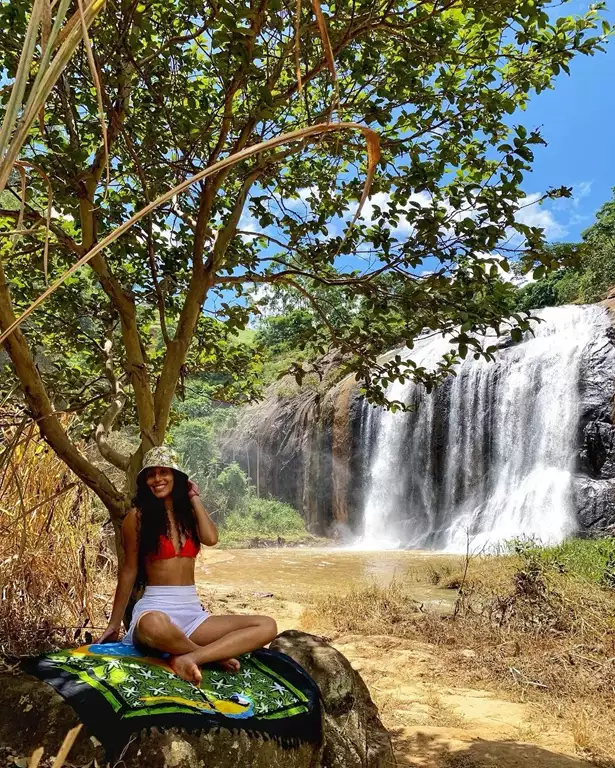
[(110, 635), (193, 489), (208, 534)]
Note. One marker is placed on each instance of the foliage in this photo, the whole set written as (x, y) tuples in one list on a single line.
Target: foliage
[(281, 334), (590, 559), (195, 441), (226, 490), (593, 274), (182, 88), (561, 287), (599, 255), (233, 485), (267, 518)]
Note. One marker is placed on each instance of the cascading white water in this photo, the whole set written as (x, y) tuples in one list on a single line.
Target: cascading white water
[(489, 456)]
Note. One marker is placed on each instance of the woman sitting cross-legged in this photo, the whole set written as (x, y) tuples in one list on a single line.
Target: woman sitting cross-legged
[(162, 535)]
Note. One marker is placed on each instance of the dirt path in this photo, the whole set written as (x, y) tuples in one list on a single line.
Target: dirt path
[(434, 720)]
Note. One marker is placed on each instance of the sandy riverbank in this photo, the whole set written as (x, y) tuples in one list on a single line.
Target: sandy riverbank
[(436, 719)]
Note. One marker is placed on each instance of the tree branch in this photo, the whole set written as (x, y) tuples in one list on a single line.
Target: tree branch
[(103, 429), (179, 39), (32, 215), (150, 236), (42, 410), (203, 277), (122, 301)]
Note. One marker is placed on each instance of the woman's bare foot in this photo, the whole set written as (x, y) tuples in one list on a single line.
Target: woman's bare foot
[(185, 667), (230, 665)]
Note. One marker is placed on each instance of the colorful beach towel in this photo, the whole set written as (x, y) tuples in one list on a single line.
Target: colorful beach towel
[(115, 691)]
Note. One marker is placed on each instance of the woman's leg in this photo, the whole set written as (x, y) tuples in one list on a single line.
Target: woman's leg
[(155, 630), (221, 638)]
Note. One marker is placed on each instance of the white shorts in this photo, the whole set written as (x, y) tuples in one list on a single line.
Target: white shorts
[(181, 605)]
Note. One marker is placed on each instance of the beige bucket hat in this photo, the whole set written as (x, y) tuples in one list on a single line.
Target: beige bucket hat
[(162, 456)]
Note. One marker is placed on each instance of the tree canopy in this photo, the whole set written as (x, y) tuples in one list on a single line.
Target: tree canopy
[(184, 84), (597, 264), (590, 272)]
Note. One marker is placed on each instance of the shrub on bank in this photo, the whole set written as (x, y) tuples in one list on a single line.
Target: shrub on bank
[(589, 559), (266, 518)]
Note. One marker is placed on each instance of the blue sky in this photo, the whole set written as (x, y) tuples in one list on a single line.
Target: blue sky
[(577, 119)]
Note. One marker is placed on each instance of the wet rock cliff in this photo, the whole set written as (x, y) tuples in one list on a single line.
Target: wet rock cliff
[(301, 445)]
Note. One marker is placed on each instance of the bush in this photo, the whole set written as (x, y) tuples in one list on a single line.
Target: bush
[(267, 518), (561, 287), (195, 441), (226, 490), (233, 486), (223, 489), (591, 560), (280, 334)]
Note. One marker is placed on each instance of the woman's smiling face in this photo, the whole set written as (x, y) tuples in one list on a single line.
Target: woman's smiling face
[(160, 481)]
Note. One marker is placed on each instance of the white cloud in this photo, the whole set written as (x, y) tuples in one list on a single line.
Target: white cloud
[(530, 212), (166, 234), (368, 214), (581, 190), (505, 277), (247, 223), (382, 200), (534, 215), (301, 203)]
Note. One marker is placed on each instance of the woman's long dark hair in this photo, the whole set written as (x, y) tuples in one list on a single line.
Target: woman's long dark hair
[(154, 521)]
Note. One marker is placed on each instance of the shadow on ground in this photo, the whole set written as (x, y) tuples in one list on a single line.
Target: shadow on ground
[(421, 749)]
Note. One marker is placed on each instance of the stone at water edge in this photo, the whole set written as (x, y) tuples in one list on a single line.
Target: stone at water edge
[(32, 714), (354, 734)]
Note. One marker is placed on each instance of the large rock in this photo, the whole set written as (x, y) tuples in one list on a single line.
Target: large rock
[(595, 503), (354, 734), (32, 714)]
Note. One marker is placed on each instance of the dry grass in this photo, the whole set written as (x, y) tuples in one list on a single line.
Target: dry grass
[(50, 549), (371, 610), (542, 634), (439, 571)]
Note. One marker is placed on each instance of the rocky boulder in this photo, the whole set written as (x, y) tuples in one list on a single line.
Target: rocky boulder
[(354, 736), (32, 714)]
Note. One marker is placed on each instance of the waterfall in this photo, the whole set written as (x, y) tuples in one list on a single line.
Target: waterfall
[(489, 455)]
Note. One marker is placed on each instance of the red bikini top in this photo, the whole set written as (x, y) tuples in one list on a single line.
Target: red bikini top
[(166, 549)]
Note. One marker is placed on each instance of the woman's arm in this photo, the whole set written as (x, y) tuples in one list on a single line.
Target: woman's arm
[(208, 533), (126, 577)]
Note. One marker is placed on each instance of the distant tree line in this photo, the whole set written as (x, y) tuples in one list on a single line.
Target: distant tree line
[(591, 275)]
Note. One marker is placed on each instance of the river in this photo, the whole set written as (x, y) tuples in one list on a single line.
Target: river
[(300, 573)]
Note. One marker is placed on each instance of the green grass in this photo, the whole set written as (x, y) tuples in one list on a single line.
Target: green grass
[(265, 519), (590, 559), (245, 336)]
